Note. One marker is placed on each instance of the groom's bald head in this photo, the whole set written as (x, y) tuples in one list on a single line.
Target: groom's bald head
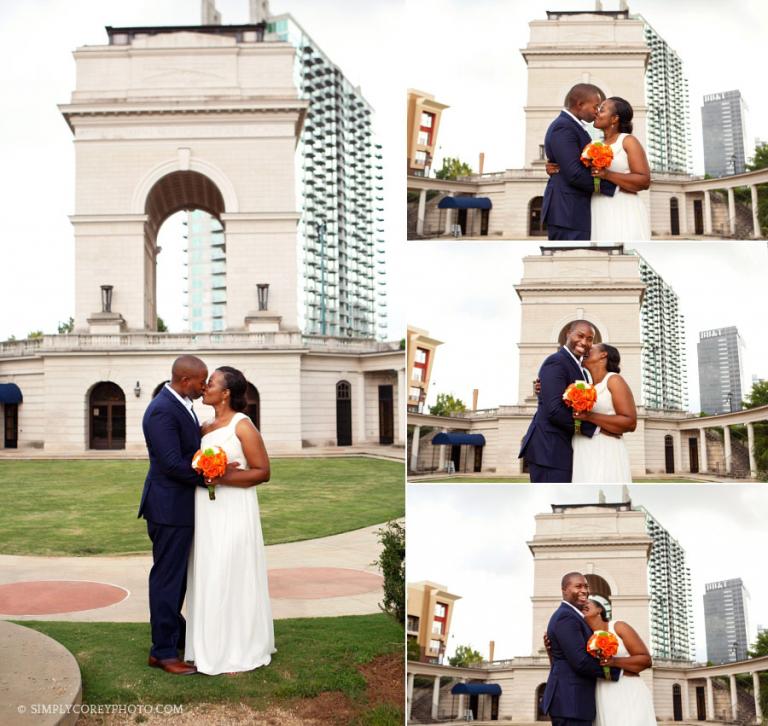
[(582, 101)]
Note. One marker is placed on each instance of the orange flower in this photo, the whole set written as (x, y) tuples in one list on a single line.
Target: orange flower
[(597, 155), (211, 462), (603, 645), (580, 396)]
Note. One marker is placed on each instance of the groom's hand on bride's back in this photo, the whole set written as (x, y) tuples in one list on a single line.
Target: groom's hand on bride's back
[(552, 168), (537, 386)]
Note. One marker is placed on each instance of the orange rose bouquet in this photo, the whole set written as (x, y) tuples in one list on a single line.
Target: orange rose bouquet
[(580, 396), (597, 155), (211, 462), (603, 645)]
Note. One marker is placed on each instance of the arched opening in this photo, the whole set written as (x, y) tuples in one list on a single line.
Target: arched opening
[(343, 414), (106, 413), (537, 227), (669, 454), (540, 715), (187, 286), (674, 217), (564, 332), (253, 405), (159, 387), (677, 702), (600, 590)]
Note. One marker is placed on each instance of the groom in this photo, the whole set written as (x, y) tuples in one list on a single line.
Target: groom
[(569, 697), (172, 434), (547, 446), (568, 196)]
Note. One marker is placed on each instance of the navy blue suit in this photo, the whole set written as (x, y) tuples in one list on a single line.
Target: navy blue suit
[(569, 697), (168, 505), (568, 196), (547, 445)]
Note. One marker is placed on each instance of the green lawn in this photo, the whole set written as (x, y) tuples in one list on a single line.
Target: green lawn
[(519, 480), (314, 655), (89, 507)]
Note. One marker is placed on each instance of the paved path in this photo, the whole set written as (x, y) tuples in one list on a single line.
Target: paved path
[(329, 576)]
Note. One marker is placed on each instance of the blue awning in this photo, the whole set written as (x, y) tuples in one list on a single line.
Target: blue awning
[(457, 438), (492, 689), (464, 203), (10, 393)]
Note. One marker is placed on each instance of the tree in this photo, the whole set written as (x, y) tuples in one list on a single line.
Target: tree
[(760, 648), (161, 326), (412, 649), (760, 161), (34, 334), (67, 327), (446, 404), (758, 396), (391, 562), (464, 657), (453, 169)]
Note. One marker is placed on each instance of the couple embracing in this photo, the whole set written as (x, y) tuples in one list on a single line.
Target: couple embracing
[(554, 449), (596, 204), (210, 551), (580, 690)]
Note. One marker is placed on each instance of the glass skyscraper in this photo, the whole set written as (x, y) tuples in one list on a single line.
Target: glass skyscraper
[(721, 370), (341, 195), (726, 619), (205, 271), (723, 123)]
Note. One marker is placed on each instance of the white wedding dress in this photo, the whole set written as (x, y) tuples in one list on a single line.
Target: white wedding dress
[(626, 702), (229, 616), (623, 217), (601, 459)]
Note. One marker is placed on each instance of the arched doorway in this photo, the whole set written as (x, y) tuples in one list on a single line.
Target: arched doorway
[(600, 590), (540, 715), (106, 413), (677, 702), (669, 454), (537, 227), (184, 211), (564, 332), (674, 216), (253, 405), (343, 414)]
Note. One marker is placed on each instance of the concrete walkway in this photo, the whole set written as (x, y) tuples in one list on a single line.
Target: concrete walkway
[(326, 577)]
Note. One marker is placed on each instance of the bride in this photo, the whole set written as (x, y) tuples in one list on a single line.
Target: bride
[(604, 457), (229, 620), (627, 701)]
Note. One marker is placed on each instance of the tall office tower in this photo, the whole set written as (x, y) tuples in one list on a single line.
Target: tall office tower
[(721, 370), (671, 606), (668, 120), (726, 619), (663, 331), (341, 195), (723, 123), (206, 273)]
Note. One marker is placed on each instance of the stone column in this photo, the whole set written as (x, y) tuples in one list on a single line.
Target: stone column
[(710, 700), (677, 440), (358, 411), (728, 453), (448, 217), (683, 207), (756, 691), (755, 221), (415, 448), (441, 460), (751, 447), (707, 213), (401, 432), (734, 698), (703, 465), (686, 702), (421, 213), (732, 212), (435, 697), (461, 701), (409, 696)]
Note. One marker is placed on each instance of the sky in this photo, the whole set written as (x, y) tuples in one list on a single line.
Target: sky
[(37, 38), (471, 539), (472, 306), (485, 82)]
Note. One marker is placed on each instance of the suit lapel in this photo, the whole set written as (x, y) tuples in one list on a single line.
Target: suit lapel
[(179, 406), (573, 364), (584, 133)]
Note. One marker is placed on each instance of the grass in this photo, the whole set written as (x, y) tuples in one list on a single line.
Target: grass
[(519, 480), (314, 655), (89, 507)]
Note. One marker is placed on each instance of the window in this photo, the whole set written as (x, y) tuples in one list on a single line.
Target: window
[(435, 645), (420, 363), (414, 392), (417, 374), (439, 625), (413, 624), (427, 120), (424, 138), (421, 157)]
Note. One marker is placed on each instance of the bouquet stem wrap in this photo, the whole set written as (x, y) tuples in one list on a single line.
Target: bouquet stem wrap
[(211, 462)]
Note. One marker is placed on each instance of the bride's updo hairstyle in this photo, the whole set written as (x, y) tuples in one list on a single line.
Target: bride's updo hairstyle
[(625, 113), (235, 383), (613, 359)]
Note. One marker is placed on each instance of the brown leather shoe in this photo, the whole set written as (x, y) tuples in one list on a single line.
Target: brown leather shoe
[(172, 665)]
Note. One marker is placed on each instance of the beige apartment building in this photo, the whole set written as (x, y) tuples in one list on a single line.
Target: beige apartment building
[(421, 356), (423, 124), (429, 610)]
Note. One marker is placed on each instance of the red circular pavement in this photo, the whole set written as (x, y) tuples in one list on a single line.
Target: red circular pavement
[(48, 597), (309, 583)]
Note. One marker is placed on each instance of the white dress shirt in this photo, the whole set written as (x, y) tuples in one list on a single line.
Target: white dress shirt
[(186, 402), (574, 607), (581, 123)]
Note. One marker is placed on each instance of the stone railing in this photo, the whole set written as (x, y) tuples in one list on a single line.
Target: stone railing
[(190, 341)]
